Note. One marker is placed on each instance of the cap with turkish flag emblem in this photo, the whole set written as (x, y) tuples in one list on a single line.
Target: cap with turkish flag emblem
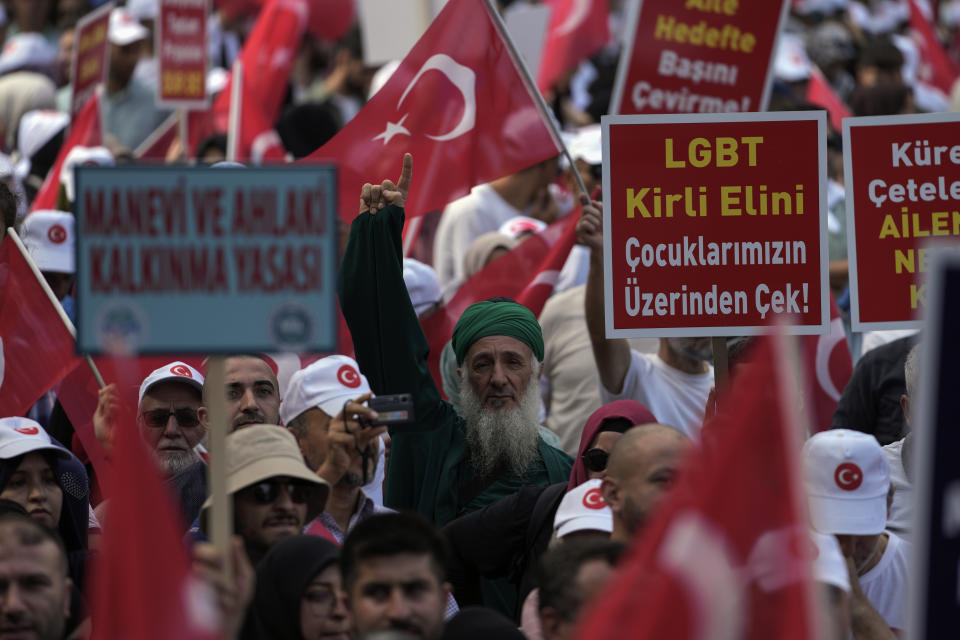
[(583, 509), (847, 480), (81, 156), (521, 225), (49, 238), (327, 384), (27, 51), (124, 29), (172, 372), (19, 436)]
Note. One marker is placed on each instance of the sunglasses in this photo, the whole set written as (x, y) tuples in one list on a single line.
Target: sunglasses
[(595, 459), (158, 418), (268, 491)]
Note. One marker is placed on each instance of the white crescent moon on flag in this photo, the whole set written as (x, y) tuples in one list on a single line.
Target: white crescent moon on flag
[(575, 18), (842, 476), (464, 79), (825, 347), (1, 363)]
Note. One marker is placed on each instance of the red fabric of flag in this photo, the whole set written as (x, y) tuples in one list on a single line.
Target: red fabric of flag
[(935, 68), (36, 348), (828, 368), (85, 131), (727, 553), (577, 30), (820, 93), (457, 103)]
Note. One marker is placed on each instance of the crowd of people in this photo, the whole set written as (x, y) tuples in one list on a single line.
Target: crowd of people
[(538, 453)]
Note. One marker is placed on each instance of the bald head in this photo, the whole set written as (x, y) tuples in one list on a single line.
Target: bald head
[(641, 468)]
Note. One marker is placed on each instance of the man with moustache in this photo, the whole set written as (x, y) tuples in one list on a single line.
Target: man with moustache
[(252, 392), (444, 465)]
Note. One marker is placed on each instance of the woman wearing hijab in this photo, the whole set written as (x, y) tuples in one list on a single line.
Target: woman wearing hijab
[(49, 482), (299, 595)]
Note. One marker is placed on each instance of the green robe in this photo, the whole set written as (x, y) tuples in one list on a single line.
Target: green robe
[(428, 464)]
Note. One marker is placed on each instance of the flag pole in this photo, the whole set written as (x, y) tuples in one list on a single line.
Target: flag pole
[(533, 90), (53, 300), (233, 126)]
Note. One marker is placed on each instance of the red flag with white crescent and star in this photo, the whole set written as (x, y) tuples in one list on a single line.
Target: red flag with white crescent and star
[(577, 30), (727, 553), (935, 67), (36, 347), (457, 103), (828, 366)]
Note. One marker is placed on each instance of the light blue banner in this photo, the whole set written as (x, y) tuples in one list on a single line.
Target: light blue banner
[(191, 259)]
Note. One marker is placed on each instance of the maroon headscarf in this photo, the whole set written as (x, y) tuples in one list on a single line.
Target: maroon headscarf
[(629, 409)]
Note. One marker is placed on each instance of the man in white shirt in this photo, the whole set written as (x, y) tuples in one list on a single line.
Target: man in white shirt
[(898, 455), (848, 489), (484, 209), (673, 383)]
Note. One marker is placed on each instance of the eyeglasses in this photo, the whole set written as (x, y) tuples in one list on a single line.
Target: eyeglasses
[(268, 491), (595, 459), (158, 418), (320, 599)]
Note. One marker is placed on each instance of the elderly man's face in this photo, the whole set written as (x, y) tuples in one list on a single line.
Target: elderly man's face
[(169, 422), (498, 370)]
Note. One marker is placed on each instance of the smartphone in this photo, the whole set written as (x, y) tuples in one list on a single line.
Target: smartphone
[(393, 409)]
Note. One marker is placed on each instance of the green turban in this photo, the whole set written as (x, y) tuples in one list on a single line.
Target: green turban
[(501, 318)]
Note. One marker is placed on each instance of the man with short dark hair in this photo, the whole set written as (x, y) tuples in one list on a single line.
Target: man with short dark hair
[(252, 391), (34, 587), (569, 576), (394, 576)]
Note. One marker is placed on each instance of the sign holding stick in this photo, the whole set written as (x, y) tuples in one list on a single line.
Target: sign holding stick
[(192, 260), (714, 225), (901, 177)]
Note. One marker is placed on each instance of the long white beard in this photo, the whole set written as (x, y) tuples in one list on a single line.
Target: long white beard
[(174, 463), (507, 436)]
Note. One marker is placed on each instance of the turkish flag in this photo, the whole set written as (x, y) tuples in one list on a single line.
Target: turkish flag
[(828, 367), (36, 347), (820, 93), (142, 586), (527, 273), (727, 553), (577, 30), (457, 103), (935, 68), (85, 131)]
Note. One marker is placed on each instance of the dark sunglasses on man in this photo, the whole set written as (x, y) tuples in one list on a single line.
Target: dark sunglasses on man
[(158, 418), (267, 491), (595, 459)]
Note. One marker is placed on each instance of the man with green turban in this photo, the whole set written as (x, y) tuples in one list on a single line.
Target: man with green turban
[(444, 466)]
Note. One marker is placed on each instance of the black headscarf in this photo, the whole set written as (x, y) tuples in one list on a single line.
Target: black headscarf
[(282, 578)]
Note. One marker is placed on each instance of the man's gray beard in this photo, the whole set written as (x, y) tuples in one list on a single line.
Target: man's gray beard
[(174, 463), (506, 436)]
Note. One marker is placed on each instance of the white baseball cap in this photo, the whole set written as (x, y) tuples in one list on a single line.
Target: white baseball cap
[(791, 63), (586, 145), (37, 128), (847, 480), (583, 509), (27, 51), (175, 372), (124, 29), (519, 225), (423, 286), (81, 156), (829, 565), (49, 237), (326, 384), (22, 435)]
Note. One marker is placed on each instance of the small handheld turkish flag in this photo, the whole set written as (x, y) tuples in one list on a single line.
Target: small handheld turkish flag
[(727, 553), (457, 103), (36, 347), (828, 366)]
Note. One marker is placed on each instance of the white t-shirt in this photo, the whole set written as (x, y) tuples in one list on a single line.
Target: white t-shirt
[(675, 398), (901, 511), (887, 585), (462, 222)]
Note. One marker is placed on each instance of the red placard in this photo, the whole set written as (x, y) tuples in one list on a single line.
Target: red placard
[(903, 191), (714, 224), (89, 63), (182, 54), (697, 56)]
